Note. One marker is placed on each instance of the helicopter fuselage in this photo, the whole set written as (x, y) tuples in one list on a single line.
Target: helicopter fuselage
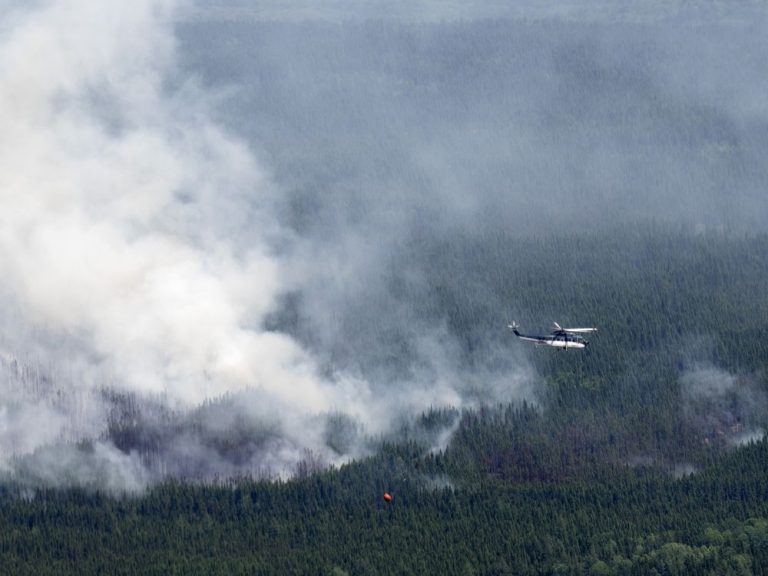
[(557, 340)]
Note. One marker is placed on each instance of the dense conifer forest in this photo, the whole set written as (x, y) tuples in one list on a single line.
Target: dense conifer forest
[(259, 260), (643, 454)]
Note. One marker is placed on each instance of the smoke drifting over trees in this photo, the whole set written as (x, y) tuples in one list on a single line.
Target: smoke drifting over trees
[(238, 240), (123, 210)]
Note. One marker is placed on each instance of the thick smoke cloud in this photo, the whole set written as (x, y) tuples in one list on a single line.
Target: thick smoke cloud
[(148, 276), (112, 227), (243, 239)]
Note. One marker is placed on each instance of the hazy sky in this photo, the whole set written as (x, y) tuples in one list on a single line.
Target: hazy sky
[(441, 11)]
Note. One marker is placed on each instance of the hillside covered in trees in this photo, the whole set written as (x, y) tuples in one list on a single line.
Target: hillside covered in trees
[(644, 453), (259, 258)]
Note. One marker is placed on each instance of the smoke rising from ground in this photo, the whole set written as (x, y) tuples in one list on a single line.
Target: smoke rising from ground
[(147, 278), (725, 409), (236, 244)]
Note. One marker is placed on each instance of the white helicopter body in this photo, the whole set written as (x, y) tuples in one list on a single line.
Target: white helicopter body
[(563, 338)]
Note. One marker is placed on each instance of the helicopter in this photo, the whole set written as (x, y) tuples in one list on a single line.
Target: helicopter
[(559, 338)]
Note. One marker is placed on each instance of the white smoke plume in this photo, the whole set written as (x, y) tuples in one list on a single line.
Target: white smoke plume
[(117, 196), (726, 409), (140, 254)]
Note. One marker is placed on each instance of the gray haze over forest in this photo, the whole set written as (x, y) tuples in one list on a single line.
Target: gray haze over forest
[(399, 140), (249, 200)]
